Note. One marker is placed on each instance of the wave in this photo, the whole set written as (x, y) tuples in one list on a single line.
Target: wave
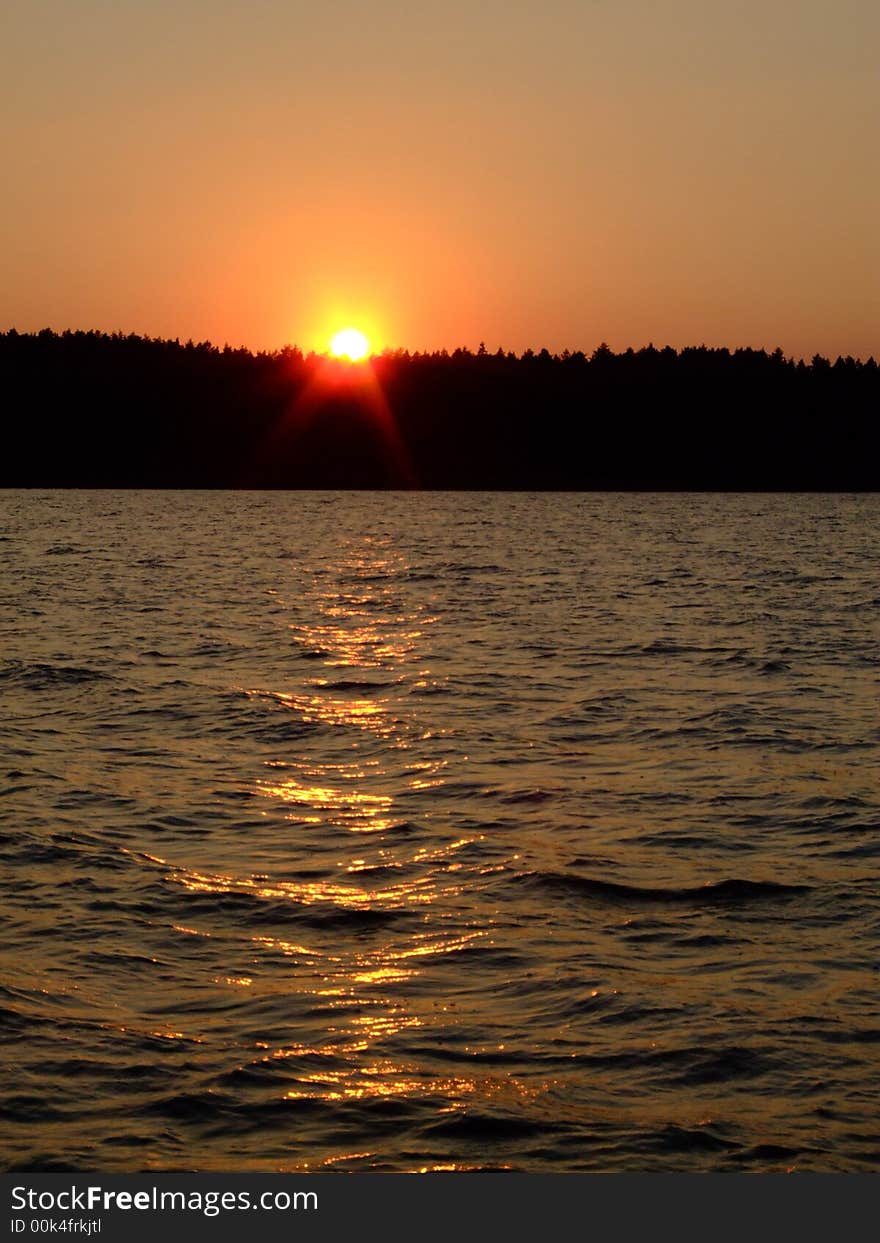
[(733, 891), (479, 1125), (46, 676), (260, 911), (352, 684)]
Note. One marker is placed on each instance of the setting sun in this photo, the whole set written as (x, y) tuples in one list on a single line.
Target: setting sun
[(351, 344)]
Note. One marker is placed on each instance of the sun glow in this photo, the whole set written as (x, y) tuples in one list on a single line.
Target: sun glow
[(350, 343)]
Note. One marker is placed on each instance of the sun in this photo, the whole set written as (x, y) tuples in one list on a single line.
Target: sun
[(351, 344)]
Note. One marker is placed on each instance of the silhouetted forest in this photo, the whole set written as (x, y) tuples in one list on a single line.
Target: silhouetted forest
[(86, 409)]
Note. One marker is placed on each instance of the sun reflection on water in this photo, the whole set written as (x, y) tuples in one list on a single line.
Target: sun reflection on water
[(309, 893), (362, 995), (368, 632), (351, 809)]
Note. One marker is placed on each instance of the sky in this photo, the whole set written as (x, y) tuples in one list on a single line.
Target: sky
[(531, 175)]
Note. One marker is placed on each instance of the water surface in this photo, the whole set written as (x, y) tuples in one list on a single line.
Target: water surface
[(475, 831)]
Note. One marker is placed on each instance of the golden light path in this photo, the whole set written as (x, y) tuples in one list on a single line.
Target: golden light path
[(372, 645)]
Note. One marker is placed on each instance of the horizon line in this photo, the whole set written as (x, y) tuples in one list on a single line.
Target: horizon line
[(482, 350)]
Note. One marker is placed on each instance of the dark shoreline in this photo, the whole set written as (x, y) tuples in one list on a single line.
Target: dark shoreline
[(463, 491), (89, 410)]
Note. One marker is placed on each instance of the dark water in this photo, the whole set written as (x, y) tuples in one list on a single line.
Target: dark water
[(363, 831)]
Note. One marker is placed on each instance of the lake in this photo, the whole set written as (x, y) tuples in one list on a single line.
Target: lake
[(395, 831)]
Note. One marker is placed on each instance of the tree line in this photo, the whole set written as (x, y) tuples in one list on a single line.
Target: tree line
[(88, 409)]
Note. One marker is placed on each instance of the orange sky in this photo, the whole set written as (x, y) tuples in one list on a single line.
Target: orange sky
[(527, 174)]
